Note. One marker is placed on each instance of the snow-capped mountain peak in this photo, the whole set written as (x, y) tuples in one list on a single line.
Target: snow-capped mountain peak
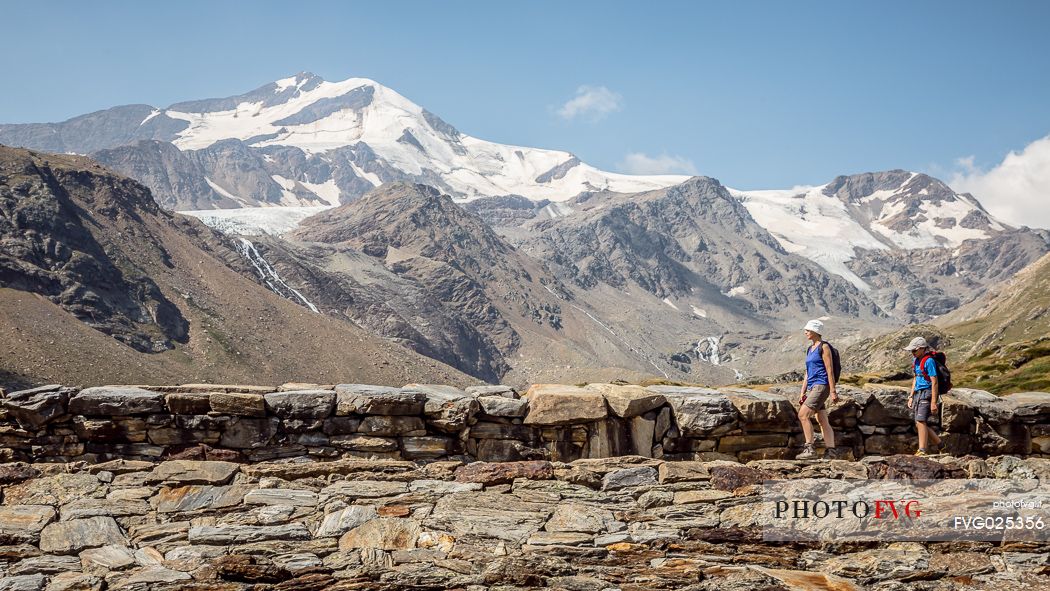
[(403, 140), (894, 209)]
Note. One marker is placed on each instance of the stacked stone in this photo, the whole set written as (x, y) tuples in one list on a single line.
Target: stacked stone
[(629, 523), (490, 423)]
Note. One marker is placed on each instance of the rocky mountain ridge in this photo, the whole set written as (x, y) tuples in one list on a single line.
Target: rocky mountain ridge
[(91, 263)]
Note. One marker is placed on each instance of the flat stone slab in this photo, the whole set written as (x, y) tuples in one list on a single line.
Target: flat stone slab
[(36, 407), (365, 489), (238, 404), (500, 406), (491, 473), (67, 537), (301, 404), (1029, 405), (699, 412), (377, 400), (23, 520), (108, 557), (193, 472), (48, 565), (281, 496), (197, 497), (628, 401), (115, 401), (244, 534), (383, 533), (555, 404), (339, 522)]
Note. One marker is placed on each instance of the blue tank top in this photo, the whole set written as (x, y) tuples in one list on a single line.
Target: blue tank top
[(818, 374)]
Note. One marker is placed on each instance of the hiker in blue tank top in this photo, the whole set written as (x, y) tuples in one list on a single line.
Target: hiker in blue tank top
[(925, 393), (817, 386)]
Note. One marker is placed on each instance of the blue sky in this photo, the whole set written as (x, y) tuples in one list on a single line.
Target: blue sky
[(756, 94)]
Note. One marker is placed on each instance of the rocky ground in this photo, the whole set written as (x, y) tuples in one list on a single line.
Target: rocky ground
[(628, 523)]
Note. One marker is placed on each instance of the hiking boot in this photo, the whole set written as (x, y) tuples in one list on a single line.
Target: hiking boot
[(921, 453), (807, 453)]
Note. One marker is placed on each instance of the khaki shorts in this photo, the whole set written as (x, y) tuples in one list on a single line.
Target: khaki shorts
[(817, 396)]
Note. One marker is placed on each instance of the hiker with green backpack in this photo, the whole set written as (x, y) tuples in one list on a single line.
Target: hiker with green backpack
[(822, 373)]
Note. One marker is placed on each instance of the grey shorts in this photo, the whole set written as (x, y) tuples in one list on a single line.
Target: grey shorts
[(920, 408), (817, 396)]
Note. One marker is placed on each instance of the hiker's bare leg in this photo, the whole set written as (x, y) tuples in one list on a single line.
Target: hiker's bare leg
[(826, 430), (924, 434), (805, 415)]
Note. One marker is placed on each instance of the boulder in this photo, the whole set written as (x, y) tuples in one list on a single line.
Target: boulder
[(301, 404), (116, 400), (377, 400), (36, 407), (699, 412), (552, 404), (628, 401)]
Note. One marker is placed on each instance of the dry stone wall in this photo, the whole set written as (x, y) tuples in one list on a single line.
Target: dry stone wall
[(490, 423), (613, 524)]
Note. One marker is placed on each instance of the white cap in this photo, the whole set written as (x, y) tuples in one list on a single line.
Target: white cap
[(916, 343), (815, 326)]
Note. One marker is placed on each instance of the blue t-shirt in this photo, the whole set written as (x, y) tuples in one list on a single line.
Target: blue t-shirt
[(921, 383), (815, 370)]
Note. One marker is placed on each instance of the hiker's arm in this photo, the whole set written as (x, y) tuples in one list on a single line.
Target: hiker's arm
[(825, 352), (935, 387), (805, 380), (914, 382)]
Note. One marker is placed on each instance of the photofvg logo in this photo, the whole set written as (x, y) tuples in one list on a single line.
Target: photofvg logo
[(896, 510), (842, 509)]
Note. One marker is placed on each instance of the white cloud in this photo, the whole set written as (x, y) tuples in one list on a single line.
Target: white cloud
[(639, 163), (1016, 191), (591, 101)]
